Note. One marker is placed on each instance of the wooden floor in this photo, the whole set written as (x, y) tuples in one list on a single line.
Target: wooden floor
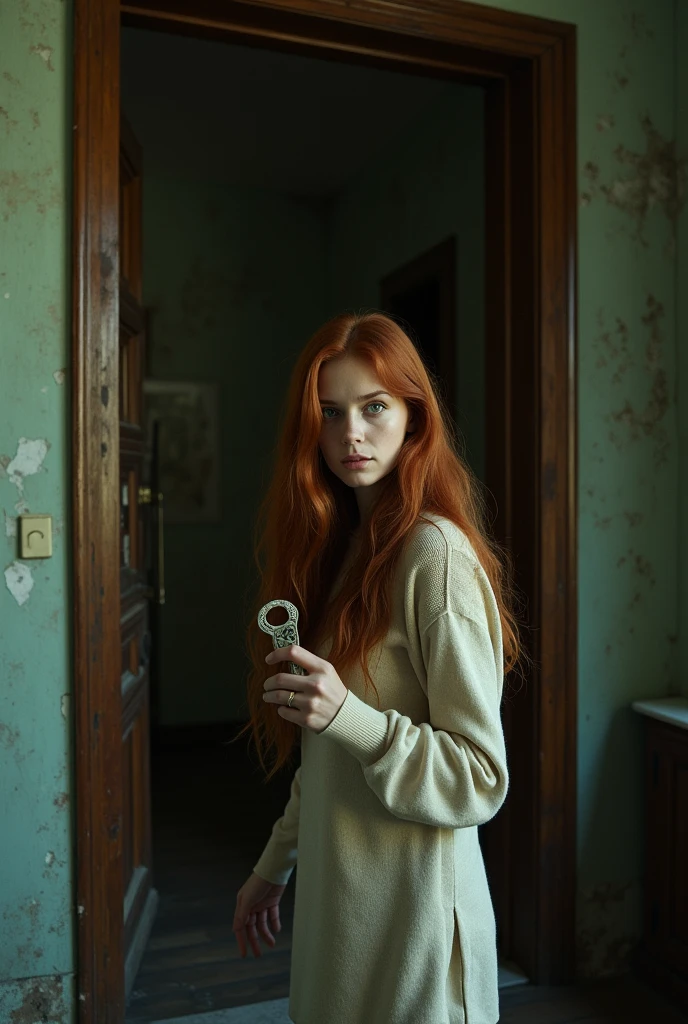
[(212, 815)]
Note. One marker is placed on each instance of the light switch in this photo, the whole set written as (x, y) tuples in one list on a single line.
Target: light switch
[(35, 536)]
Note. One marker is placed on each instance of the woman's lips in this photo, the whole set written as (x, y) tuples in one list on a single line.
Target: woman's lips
[(355, 463)]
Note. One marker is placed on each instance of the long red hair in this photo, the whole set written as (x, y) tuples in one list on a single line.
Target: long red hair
[(307, 515)]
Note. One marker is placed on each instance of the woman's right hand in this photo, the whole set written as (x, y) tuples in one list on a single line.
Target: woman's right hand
[(257, 908)]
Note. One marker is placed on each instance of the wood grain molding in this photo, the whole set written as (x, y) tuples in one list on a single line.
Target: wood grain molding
[(95, 497)]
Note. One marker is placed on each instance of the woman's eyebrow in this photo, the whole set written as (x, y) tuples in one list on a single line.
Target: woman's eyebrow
[(361, 398)]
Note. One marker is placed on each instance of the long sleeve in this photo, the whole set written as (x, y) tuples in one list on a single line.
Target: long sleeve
[(450, 771), (278, 859)]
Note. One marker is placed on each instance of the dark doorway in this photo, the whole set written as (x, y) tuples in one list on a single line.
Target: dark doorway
[(421, 296)]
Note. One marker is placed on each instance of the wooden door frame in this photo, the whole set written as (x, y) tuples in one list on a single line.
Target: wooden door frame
[(527, 66)]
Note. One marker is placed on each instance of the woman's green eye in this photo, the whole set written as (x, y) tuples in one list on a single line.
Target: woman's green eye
[(327, 409)]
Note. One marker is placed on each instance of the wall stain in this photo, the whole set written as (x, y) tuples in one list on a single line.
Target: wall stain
[(19, 189), (646, 422), (35, 18), (602, 524), (9, 121), (10, 78), (603, 942), (8, 737), (612, 346), (638, 25), (644, 568), (604, 122), (638, 31), (655, 178), (634, 518)]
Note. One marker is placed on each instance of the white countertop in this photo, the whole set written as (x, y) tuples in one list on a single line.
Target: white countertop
[(667, 709)]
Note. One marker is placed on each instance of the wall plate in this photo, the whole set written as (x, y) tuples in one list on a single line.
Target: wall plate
[(35, 536)]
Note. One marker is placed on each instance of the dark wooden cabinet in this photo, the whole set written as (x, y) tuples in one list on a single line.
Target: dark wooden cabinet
[(662, 956)]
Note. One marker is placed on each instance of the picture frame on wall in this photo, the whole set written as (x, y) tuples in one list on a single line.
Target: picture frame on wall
[(188, 447)]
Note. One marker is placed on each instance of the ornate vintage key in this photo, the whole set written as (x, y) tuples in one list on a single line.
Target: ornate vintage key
[(284, 634)]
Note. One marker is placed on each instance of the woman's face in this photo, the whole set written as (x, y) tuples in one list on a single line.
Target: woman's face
[(360, 417)]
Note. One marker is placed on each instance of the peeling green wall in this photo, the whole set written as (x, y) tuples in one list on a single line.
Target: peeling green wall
[(234, 280), (36, 919), (628, 457), (428, 184)]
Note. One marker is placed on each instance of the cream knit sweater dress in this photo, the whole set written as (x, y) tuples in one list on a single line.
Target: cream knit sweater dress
[(393, 921)]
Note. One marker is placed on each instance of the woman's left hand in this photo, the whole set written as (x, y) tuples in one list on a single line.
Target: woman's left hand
[(318, 695)]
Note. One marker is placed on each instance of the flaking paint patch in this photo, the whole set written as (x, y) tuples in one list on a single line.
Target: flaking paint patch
[(45, 53), (19, 580), (59, 376), (10, 526), (28, 461), (40, 999), (64, 705)]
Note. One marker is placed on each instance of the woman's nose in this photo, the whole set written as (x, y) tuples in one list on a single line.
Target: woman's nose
[(353, 429)]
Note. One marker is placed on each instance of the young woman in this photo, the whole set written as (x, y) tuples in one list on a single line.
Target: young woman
[(373, 528)]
